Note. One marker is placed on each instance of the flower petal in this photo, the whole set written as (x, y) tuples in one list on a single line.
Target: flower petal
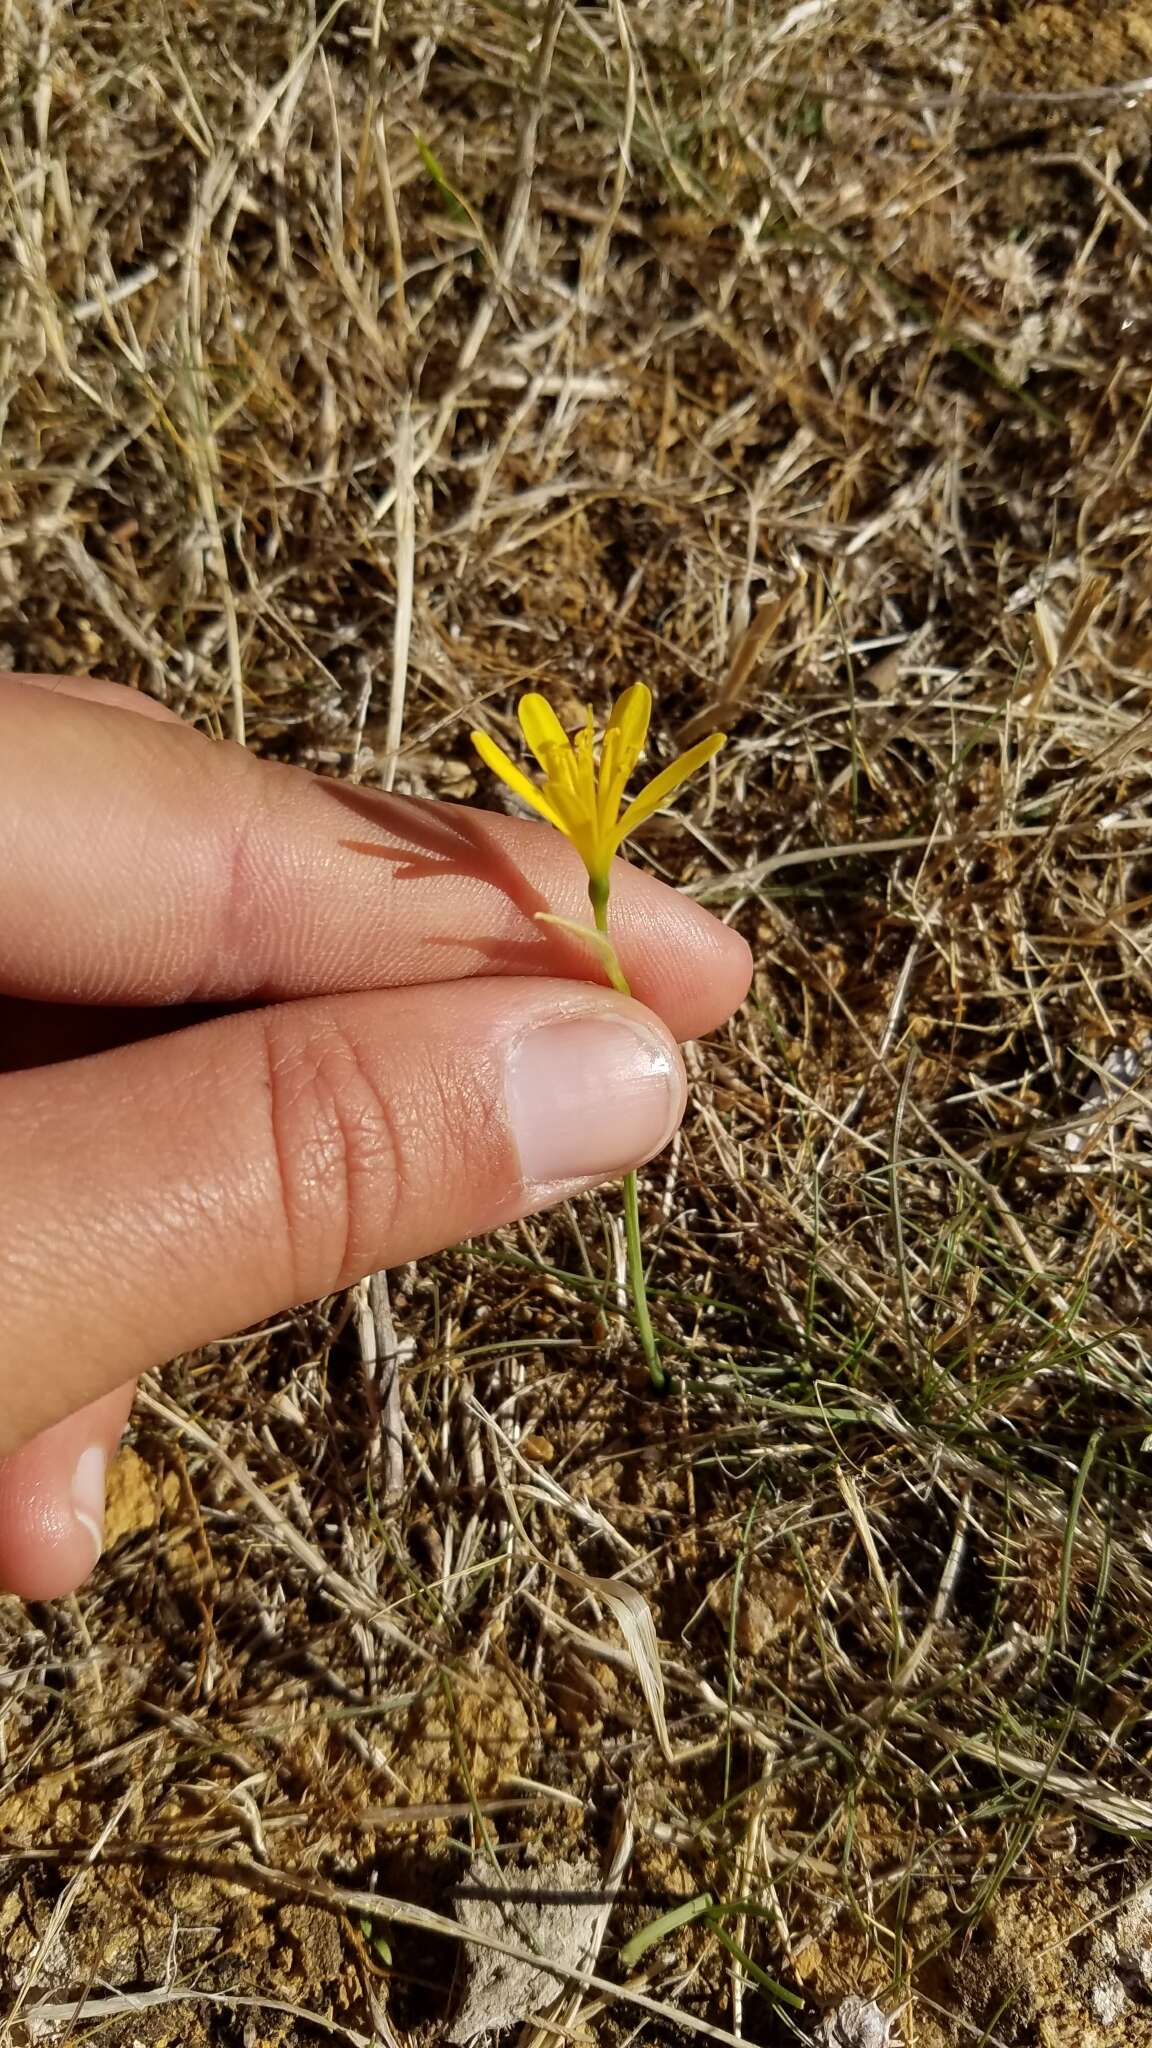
[(661, 787), (563, 798), (543, 731), (610, 788), (631, 714), (584, 754), (622, 747), (494, 757)]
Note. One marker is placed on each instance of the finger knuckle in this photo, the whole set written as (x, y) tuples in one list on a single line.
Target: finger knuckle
[(343, 1151)]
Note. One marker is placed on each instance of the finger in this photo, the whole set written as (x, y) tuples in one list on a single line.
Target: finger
[(92, 690), (147, 864), (163, 1194), (52, 1500)]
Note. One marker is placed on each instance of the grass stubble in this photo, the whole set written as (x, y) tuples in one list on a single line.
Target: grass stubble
[(357, 369)]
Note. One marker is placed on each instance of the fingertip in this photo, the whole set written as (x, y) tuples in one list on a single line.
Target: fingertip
[(591, 1092), (681, 961), (52, 1501), (722, 962), (736, 966)]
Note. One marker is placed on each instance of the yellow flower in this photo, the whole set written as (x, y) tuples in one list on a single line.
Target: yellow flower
[(580, 794)]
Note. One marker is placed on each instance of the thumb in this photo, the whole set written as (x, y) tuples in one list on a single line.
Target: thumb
[(52, 1500), (171, 1192)]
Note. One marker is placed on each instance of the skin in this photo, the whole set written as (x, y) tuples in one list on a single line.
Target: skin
[(243, 1005)]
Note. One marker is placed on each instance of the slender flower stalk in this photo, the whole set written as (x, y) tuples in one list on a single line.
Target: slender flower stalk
[(581, 795)]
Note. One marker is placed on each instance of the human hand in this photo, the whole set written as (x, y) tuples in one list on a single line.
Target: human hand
[(406, 1058)]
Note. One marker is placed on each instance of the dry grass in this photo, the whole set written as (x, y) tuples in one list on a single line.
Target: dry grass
[(356, 367)]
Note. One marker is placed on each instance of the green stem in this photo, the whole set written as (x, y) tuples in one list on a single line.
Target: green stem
[(644, 1330), (598, 895)]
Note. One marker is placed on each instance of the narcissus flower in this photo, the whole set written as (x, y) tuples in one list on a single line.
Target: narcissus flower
[(581, 793)]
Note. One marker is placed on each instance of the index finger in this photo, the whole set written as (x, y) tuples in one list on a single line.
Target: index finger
[(145, 864)]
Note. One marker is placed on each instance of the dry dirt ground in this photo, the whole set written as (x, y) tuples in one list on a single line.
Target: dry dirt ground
[(795, 358)]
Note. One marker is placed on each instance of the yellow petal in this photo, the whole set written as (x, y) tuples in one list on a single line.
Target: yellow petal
[(584, 753), (623, 745), (630, 718), (542, 730), (658, 791), (610, 787), (564, 800), (494, 757)]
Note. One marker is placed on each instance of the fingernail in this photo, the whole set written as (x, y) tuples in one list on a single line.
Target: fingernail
[(590, 1097), (88, 1495)]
